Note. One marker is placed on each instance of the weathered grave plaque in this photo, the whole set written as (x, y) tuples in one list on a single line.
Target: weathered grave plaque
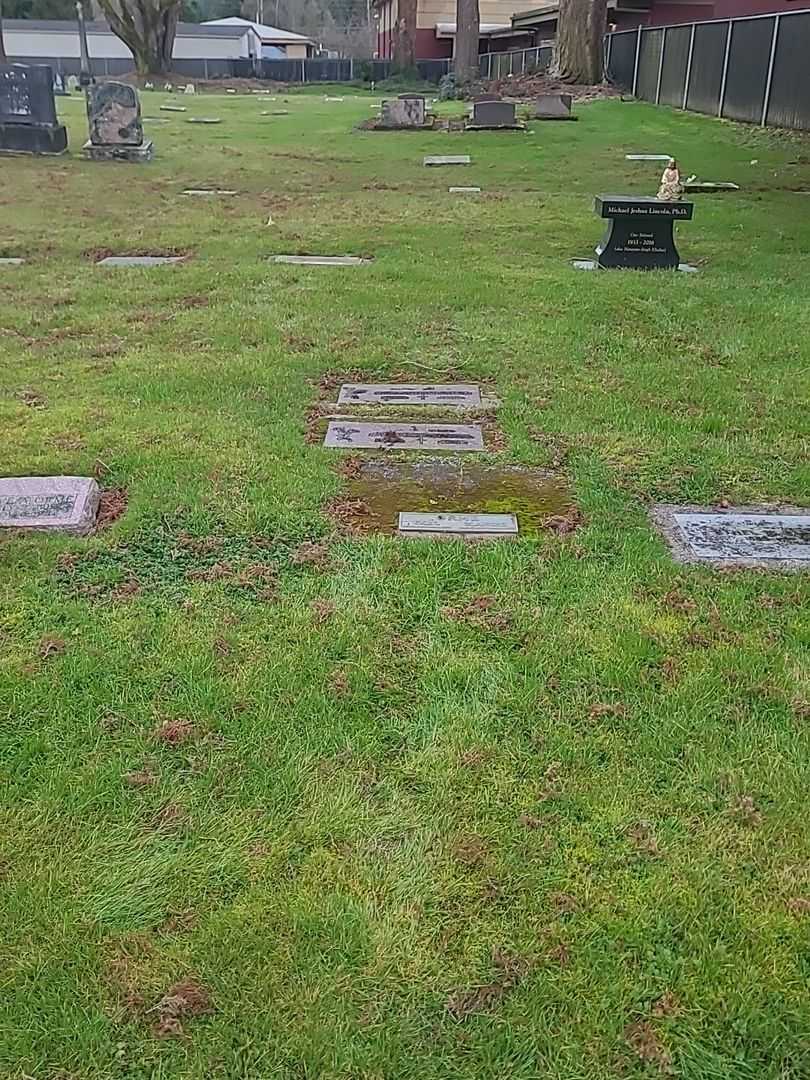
[(648, 157), (471, 525), (321, 260), (11, 262), (552, 107), (140, 260), (208, 191), (464, 190), (114, 119), (447, 159), (62, 503), (389, 436), (742, 536), (28, 123), (697, 187), (203, 120), (409, 394), (493, 114), (639, 235), (172, 108), (405, 111)]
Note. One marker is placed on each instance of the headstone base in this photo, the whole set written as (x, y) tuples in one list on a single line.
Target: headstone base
[(33, 139), (494, 127), (135, 154), (592, 264)]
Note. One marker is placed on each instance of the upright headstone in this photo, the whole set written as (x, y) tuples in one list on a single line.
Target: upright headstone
[(553, 107), (73, 84), (114, 118), (405, 111), (639, 233), (28, 123), (493, 114)]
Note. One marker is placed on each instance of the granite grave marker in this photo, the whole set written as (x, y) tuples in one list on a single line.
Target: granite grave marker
[(28, 123), (737, 536), (390, 436), (114, 118), (405, 111), (466, 394), (493, 114), (552, 107), (479, 526), (61, 503), (639, 234)]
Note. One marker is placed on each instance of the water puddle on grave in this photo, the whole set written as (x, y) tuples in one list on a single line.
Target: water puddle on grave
[(442, 486)]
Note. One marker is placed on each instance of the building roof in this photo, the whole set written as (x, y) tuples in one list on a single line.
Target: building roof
[(448, 29), (65, 26), (271, 34)]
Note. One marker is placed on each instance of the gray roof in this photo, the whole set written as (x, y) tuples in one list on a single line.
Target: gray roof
[(184, 29)]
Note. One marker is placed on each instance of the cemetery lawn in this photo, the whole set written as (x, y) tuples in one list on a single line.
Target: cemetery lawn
[(279, 802)]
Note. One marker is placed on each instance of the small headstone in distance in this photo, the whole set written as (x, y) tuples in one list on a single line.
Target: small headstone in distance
[(647, 157), (552, 107), (390, 436), (477, 526), (446, 159), (741, 536), (466, 394), (60, 503), (321, 260), (464, 190), (698, 187), (493, 114), (405, 111), (203, 120), (11, 262), (140, 260), (172, 108), (208, 191)]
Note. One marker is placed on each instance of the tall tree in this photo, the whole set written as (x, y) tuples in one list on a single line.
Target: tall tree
[(404, 42), (579, 48), (148, 27), (468, 26)]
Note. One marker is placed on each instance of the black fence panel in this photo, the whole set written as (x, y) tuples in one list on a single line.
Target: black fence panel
[(748, 61), (648, 61), (622, 58), (706, 76), (673, 71), (789, 103)]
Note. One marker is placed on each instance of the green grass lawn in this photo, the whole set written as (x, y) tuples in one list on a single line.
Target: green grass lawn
[(272, 810)]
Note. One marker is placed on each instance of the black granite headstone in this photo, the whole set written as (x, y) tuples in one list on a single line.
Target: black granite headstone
[(639, 234), (28, 123)]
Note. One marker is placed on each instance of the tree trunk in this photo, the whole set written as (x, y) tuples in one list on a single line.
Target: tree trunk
[(405, 36), (579, 48), (148, 27), (3, 56), (468, 25)]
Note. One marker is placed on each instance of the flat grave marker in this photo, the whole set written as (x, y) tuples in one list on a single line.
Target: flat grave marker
[(60, 503), (203, 120), (208, 191), (140, 260), (491, 526), (11, 262), (390, 436), (322, 260), (464, 190), (172, 108), (648, 157), (739, 536), (409, 394), (446, 159)]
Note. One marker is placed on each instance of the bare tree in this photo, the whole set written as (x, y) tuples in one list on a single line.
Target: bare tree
[(3, 56), (578, 50), (405, 36), (148, 27), (468, 26)]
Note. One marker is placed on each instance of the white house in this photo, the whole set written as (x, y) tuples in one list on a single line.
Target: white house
[(39, 39), (276, 44)]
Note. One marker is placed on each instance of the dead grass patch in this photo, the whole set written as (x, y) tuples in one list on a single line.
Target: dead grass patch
[(182, 1002), (510, 970)]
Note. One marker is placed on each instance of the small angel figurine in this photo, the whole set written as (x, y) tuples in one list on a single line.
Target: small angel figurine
[(671, 188)]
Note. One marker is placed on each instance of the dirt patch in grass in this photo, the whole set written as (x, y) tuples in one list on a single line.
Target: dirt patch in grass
[(481, 612), (470, 850), (647, 1045), (51, 645), (322, 610), (169, 817), (643, 837), (510, 970), (312, 553), (111, 506), (141, 778), (174, 731), (182, 1002)]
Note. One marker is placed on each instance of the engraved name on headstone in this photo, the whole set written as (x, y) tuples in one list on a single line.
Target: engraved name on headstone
[(458, 524), (409, 394), (390, 436), (62, 503)]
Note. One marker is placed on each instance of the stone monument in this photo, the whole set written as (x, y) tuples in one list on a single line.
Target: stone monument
[(405, 111), (639, 234), (28, 123), (492, 113), (116, 130), (553, 107), (59, 503)]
